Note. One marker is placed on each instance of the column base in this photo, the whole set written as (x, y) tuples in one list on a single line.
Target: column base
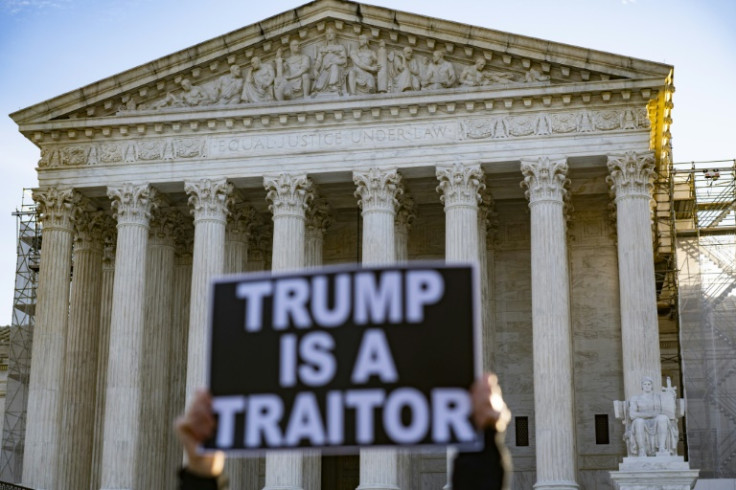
[(556, 485), (654, 473), (377, 487)]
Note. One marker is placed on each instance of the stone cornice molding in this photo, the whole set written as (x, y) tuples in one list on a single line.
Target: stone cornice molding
[(57, 207), (133, 204), (288, 194), (545, 180), (378, 190), (460, 185), (318, 216), (630, 174), (89, 230), (209, 200), (287, 114)]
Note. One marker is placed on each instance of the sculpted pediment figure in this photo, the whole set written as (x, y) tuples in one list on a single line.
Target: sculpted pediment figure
[(332, 49)]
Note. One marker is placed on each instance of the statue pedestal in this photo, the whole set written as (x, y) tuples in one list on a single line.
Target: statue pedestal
[(654, 473)]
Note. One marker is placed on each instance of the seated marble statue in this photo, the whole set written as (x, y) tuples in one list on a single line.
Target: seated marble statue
[(651, 420)]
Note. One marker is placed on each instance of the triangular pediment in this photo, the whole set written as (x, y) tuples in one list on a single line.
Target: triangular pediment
[(331, 50)]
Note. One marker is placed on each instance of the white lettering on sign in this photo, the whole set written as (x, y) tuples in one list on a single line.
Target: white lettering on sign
[(448, 410), (303, 303)]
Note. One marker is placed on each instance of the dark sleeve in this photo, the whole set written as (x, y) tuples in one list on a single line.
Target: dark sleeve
[(190, 481), (483, 470)]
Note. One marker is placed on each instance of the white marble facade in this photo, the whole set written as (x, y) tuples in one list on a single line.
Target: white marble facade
[(336, 133)]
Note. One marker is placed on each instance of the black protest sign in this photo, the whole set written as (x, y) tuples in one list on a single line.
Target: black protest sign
[(337, 358)]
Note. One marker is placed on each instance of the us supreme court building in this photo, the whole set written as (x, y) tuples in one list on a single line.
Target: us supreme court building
[(341, 132)]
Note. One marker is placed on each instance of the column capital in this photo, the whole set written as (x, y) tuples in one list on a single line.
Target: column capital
[(57, 206), (545, 179), (378, 189), (133, 204), (288, 194), (109, 239), (89, 228), (209, 199), (165, 225), (405, 210), (240, 222), (318, 216), (631, 174), (460, 184)]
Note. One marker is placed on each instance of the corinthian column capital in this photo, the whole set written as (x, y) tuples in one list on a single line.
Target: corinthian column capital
[(545, 179), (405, 211), (57, 206), (631, 174), (378, 189), (460, 185), (133, 204), (240, 222), (164, 226), (89, 227), (288, 194), (209, 199), (318, 216)]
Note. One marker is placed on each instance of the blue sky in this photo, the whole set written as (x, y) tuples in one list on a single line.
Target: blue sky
[(48, 47)]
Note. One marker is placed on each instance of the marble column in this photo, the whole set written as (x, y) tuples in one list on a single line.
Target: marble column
[(545, 180), (154, 415), (132, 206), (630, 178), (103, 346), (237, 236), (56, 208), (289, 196), (74, 459), (209, 201), (317, 221), (179, 338), (460, 186), (242, 472), (402, 225), (377, 192), (485, 259)]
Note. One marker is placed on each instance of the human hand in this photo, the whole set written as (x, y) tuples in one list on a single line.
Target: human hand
[(489, 409), (193, 428)]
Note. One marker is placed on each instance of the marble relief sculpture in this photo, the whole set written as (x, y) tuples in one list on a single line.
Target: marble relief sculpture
[(293, 74), (330, 66), (335, 68), (650, 419), (258, 86)]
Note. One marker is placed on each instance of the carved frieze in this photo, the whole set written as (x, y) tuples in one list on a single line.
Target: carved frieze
[(336, 64), (411, 133)]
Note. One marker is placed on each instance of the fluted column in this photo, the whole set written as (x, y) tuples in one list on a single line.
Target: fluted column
[(545, 181), (103, 349), (318, 220), (289, 196), (377, 192), (241, 472), (630, 179), (237, 235), (209, 201), (485, 260), (74, 459), (132, 205), (402, 225), (56, 208), (460, 186), (179, 338), (154, 415)]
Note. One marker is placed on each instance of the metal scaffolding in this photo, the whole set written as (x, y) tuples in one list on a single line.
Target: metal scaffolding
[(703, 197), (21, 336)]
